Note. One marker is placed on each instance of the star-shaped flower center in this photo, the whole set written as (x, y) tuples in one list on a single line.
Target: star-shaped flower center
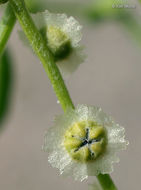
[(85, 141)]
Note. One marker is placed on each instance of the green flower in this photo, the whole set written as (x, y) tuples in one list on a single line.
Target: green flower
[(58, 42), (84, 142), (62, 35)]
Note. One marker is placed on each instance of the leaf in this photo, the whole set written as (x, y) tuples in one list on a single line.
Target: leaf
[(5, 84)]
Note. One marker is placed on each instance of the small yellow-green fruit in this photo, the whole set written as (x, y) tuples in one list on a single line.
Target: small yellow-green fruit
[(85, 141), (58, 42)]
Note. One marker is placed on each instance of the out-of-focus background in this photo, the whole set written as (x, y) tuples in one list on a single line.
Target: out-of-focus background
[(109, 78)]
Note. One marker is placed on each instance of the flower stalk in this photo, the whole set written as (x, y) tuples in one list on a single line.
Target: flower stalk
[(40, 48), (106, 182), (6, 25)]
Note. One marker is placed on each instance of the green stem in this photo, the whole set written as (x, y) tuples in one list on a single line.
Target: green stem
[(39, 46), (6, 25), (106, 182)]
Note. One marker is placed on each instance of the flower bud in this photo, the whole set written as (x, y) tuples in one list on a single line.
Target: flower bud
[(62, 35), (58, 42)]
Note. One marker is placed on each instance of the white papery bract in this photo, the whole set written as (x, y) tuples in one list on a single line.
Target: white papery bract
[(72, 62), (59, 157), (72, 29), (69, 26)]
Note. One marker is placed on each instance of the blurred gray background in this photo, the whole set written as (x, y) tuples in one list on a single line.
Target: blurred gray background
[(109, 78)]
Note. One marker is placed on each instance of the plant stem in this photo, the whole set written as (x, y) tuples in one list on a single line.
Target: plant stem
[(40, 47), (106, 182), (6, 25)]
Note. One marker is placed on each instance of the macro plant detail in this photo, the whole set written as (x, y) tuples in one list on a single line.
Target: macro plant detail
[(84, 141), (62, 35)]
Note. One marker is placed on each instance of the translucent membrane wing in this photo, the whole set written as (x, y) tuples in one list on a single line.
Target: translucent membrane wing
[(79, 166)]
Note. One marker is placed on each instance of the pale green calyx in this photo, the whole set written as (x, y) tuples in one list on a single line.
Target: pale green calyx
[(58, 42), (85, 141)]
